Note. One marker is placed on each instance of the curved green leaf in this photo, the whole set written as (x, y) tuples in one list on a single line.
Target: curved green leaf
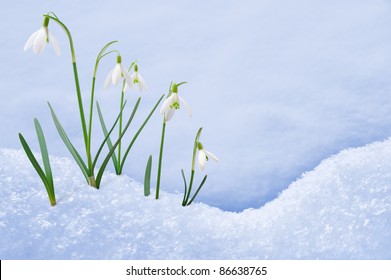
[(69, 145), (44, 152), (106, 160), (198, 190), (147, 177), (138, 133)]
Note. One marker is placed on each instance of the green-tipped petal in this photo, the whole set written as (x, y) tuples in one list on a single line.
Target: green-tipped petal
[(202, 159), (166, 105), (212, 156)]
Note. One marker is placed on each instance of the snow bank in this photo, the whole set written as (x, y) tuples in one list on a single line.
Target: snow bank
[(340, 210)]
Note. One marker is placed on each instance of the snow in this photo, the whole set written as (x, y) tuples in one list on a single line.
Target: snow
[(339, 210), (278, 85)]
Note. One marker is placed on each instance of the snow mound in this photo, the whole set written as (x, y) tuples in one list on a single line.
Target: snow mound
[(340, 210)]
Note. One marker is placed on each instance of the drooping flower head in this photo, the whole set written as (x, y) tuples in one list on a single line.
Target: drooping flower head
[(40, 38), (138, 80), (117, 73), (173, 103), (204, 155)]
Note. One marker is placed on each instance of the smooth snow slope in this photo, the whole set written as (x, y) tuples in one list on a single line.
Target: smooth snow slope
[(340, 210)]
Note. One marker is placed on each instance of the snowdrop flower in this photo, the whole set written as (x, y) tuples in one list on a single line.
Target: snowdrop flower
[(116, 74), (172, 103), (138, 80), (204, 155), (40, 38)]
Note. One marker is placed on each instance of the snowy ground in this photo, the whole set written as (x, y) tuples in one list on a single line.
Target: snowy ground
[(277, 85), (340, 210)]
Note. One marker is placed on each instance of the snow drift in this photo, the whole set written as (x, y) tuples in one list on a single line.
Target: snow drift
[(340, 210)]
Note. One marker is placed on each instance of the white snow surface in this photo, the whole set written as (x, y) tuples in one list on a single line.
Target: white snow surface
[(340, 210)]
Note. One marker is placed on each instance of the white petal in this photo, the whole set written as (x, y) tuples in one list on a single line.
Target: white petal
[(168, 116), (129, 83), (142, 83), (186, 106), (108, 79), (133, 76), (175, 98), (116, 75), (166, 105), (54, 42), (30, 41), (127, 77), (40, 41), (212, 156), (202, 159)]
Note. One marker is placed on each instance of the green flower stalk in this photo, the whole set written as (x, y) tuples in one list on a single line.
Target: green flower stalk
[(128, 82), (203, 157), (53, 17), (169, 106), (38, 40)]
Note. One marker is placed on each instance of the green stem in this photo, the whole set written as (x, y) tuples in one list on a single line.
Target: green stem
[(190, 186), (138, 133), (79, 98), (84, 126), (120, 131), (90, 121), (160, 159), (89, 134), (198, 190), (193, 165)]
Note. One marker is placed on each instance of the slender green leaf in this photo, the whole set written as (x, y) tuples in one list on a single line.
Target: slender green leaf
[(49, 187), (147, 177), (69, 145), (44, 152), (185, 193), (198, 190), (33, 160), (138, 133), (107, 159), (190, 186), (107, 135), (46, 162)]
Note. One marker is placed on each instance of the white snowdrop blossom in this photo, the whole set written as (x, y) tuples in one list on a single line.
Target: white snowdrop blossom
[(116, 74), (173, 103), (138, 80), (40, 38), (204, 155)]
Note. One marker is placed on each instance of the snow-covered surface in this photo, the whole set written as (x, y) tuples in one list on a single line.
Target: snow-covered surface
[(278, 85), (340, 210)]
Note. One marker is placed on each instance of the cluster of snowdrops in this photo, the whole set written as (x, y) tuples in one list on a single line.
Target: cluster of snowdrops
[(117, 151)]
